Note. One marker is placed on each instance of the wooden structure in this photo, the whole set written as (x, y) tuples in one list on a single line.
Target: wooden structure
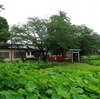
[(75, 56)]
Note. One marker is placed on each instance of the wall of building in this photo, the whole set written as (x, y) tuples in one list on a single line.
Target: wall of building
[(29, 55), (12, 55), (68, 55)]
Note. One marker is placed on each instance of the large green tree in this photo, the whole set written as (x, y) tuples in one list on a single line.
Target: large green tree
[(33, 32), (87, 39), (60, 31), (4, 30)]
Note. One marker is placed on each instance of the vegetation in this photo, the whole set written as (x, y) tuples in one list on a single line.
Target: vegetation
[(1, 58), (4, 29), (33, 32), (59, 31), (93, 60), (88, 40), (75, 81), (50, 80), (4, 33), (55, 35)]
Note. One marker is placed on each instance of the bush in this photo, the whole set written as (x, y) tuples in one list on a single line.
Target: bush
[(1, 58), (92, 60)]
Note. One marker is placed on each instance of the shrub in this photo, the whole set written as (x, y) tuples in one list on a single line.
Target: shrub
[(1, 58), (93, 60)]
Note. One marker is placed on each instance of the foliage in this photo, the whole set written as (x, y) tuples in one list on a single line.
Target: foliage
[(93, 57), (87, 40), (33, 32), (21, 81), (93, 60), (56, 35), (4, 33), (1, 58), (60, 32)]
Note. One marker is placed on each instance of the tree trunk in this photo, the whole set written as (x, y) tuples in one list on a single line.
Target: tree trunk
[(62, 53), (44, 55), (22, 58)]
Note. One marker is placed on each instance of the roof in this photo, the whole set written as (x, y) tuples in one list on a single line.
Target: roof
[(19, 46), (12, 46), (75, 49)]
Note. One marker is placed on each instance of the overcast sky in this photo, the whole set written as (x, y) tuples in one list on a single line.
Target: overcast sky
[(79, 11)]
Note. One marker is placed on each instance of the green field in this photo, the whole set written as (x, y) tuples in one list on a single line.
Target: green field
[(43, 80), (92, 60)]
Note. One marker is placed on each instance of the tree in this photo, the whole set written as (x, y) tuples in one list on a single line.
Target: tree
[(4, 29), (4, 33), (56, 35), (60, 31), (33, 32), (87, 39)]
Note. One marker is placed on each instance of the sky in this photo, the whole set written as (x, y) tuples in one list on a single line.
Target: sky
[(79, 11)]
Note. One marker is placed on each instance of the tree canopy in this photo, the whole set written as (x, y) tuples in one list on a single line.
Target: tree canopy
[(55, 35), (87, 39), (33, 32), (4, 33), (60, 29), (4, 28)]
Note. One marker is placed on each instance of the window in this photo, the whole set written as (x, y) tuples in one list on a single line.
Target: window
[(32, 53), (28, 53), (5, 54), (18, 55)]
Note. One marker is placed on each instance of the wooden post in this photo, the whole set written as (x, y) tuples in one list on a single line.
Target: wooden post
[(78, 57), (72, 56)]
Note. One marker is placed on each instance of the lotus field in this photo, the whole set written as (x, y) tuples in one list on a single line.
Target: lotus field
[(49, 80)]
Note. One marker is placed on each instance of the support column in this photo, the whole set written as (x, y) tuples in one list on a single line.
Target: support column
[(78, 57), (72, 56)]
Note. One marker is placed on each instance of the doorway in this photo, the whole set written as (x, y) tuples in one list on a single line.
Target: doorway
[(75, 57)]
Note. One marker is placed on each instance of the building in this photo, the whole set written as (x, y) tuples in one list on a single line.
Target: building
[(13, 52), (16, 52)]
